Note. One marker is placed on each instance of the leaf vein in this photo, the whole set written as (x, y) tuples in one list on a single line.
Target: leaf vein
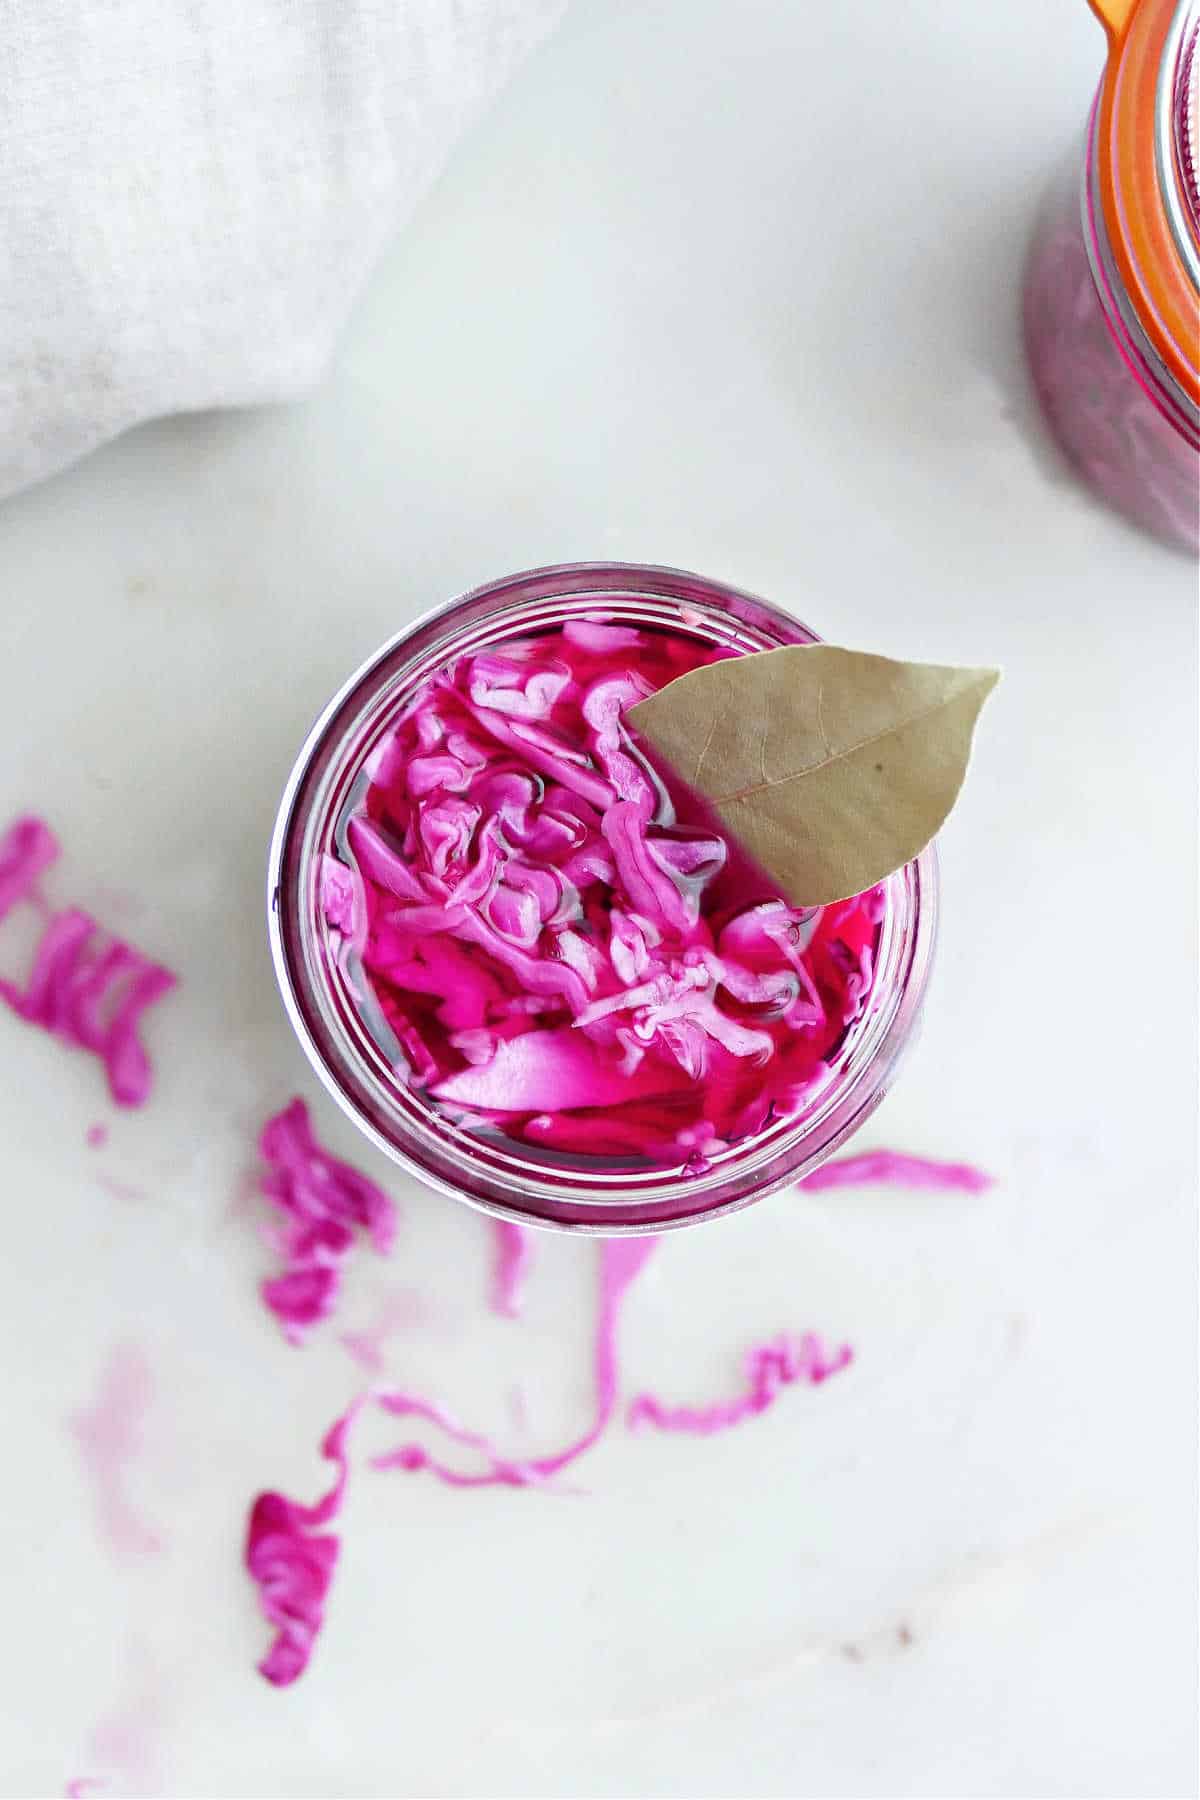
[(712, 732), (760, 787)]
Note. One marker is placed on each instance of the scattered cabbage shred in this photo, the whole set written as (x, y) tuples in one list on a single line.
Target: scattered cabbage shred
[(320, 1203), (87, 988)]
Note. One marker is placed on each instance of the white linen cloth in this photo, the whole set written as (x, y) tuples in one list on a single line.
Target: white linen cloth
[(192, 192)]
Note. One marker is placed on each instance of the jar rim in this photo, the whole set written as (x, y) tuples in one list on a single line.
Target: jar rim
[(1139, 178), (338, 1045), (1177, 132)]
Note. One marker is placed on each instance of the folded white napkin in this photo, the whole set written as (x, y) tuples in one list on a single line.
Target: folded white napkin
[(193, 191)]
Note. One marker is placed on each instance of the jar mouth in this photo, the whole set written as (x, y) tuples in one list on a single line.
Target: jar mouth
[(1139, 206), (349, 1043), (1177, 133)]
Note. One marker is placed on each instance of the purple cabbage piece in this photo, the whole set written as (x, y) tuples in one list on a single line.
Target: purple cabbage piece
[(291, 1560), (85, 988), (524, 873), (320, 1203)]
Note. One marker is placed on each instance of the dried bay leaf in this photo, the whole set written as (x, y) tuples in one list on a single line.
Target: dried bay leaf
[(830, 767)]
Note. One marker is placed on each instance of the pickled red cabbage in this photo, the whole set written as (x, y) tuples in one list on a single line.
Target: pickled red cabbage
[(866, 1168), (292, 1561), (561, 949), (321, 1203), (88, 989)]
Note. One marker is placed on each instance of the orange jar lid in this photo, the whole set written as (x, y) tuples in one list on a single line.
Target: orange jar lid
[(1147, 163)]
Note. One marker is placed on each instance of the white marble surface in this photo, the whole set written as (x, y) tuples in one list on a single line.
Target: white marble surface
[(732, 288)]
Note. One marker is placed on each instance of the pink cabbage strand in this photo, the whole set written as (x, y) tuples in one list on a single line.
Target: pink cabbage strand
[(292, 1561), (321, 1203), (27, 849), (413, 1457), (877, 1167), (85, 988), (621, 1260), (770, 1368)]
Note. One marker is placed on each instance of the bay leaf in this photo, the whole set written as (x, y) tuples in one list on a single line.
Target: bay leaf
[(830, 767)]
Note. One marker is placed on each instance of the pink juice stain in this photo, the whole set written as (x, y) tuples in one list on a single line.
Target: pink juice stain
[(513, 1254), (124, 1742), (86, 988), (400, 1311), (126, 1191), (558, 949), (110, 1436)]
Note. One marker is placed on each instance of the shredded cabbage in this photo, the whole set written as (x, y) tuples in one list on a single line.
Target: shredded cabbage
[(86, 988), (566, 951), (321, 1203), (27, 848), (868, 1167), (769, 1369), (292, 1561)]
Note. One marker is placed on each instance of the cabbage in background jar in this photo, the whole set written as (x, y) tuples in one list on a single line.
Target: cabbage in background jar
[(1112, 289)]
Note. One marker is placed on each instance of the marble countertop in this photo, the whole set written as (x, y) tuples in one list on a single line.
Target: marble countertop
[(738, 295)]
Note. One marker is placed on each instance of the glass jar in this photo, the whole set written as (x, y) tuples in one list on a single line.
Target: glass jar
[(323, 995), (1112, 287)]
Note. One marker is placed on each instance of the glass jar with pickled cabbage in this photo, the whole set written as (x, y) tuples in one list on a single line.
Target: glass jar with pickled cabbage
[(523, 961)]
